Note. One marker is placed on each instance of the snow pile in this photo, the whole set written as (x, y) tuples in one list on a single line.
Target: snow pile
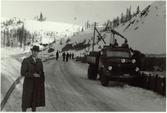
[(139, 98), (6, 52), (10, 71)]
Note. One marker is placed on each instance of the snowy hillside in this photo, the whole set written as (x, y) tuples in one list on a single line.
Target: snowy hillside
[(145, 32), (60, 29), (46, 32)]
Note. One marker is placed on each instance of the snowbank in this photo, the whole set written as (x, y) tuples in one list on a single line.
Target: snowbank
[(10, 71)]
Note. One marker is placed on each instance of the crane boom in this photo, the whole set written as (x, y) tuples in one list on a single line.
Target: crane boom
[(115, 32)]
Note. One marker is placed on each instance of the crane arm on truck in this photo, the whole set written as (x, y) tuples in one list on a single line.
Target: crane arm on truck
[(115, 32)]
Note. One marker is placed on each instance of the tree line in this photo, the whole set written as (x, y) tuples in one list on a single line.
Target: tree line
[(41, 18), (116, 21), (17, 36)]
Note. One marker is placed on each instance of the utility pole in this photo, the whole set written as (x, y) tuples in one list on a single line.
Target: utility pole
[(112, 38), (94, 37)]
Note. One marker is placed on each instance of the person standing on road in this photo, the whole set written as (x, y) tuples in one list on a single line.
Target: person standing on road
[(57, 55), (64, 55), (67, 55), (33, 86), (72, 55)]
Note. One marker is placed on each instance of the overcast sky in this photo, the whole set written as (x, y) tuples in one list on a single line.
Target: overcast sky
[(66, 11)]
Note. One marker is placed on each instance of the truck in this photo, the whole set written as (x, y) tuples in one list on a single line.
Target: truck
[(113, 63)]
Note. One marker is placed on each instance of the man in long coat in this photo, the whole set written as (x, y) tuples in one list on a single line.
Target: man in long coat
[(33, 87)]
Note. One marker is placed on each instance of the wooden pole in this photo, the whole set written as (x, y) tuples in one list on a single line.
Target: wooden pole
[(94, 37)]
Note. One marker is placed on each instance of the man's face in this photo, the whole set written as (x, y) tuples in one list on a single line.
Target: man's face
[(34, 53)]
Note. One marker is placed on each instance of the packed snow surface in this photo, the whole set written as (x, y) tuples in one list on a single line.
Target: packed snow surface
[(127, 97)]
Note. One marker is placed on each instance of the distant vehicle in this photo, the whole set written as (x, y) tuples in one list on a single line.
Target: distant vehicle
[(112, 64)]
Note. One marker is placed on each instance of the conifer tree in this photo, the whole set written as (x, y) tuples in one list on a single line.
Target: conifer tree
[(118, 21), (21, 36), (122, 21), (8, 38), (127, 15), (25, 37), (138, 10), (130, 15), (4, 38), (41, 17)]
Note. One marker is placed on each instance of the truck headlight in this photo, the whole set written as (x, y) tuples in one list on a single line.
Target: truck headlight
[(137, 69), (133, 61), (110, 68), (123, 60)]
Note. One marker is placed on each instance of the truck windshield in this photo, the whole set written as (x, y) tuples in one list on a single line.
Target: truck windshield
[(117, 54)]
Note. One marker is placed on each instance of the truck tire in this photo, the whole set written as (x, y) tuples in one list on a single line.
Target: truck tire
[(92, 73), (104, 80)]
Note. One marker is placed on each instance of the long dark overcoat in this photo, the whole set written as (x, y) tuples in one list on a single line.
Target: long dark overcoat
[(33, 88)]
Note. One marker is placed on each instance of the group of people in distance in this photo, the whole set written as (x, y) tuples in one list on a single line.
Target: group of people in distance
[(66, 56)]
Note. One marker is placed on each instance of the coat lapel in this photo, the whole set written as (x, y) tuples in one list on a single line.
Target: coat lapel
[(32, 60)]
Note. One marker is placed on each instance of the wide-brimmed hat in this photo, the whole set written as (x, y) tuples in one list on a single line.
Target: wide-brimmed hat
[(35, 48)]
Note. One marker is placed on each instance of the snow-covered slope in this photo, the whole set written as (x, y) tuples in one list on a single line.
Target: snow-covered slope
[(46, 30), (60, 29), (146, 31)]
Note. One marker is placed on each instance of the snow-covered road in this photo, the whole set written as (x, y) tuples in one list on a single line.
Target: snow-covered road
[(68, 89)]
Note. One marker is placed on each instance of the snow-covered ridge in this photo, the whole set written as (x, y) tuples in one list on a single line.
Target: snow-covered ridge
[(57, 27), (145, 32), (49, 31)]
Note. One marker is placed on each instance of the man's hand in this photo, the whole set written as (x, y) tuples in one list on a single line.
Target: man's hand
[(36, 75)]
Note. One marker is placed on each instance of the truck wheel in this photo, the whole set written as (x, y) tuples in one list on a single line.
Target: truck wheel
[(104, 80), (92, 74)]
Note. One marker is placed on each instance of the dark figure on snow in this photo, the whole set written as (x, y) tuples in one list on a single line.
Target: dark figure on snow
[(64, 55), (125, 44), (33, 87), (72, 55), (57, 55), (67, 55)]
